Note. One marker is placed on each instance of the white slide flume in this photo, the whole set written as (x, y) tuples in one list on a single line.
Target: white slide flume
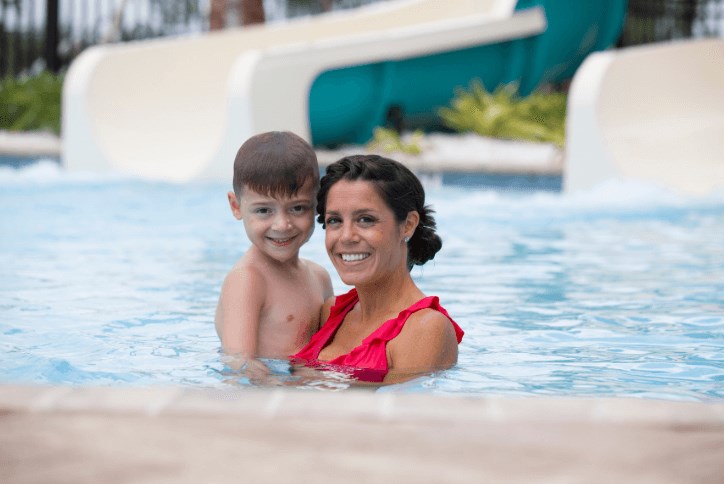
[(653, 113)]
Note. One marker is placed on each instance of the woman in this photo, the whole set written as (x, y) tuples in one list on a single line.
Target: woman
[(377, 227)]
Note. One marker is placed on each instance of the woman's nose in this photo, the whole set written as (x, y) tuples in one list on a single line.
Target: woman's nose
[(349, 234)]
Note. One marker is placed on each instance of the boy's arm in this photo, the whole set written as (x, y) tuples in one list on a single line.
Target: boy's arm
[(326, 309), (326, 281), (327, 293), (243, 298)]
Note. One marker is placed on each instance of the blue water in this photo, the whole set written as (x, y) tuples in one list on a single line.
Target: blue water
[(618, 292)]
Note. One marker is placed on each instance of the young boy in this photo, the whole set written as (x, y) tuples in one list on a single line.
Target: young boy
[(271, 299)]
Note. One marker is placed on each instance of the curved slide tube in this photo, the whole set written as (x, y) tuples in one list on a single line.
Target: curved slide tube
[(177, 109), (653, 113)]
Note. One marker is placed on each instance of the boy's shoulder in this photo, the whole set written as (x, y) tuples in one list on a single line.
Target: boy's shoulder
[(314, 268), (320, 277), (245, 271)]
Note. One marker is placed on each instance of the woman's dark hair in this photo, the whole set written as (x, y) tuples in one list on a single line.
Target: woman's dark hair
[(401, 191)]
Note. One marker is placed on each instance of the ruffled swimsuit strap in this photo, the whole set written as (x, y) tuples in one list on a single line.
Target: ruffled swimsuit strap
[(343, 304), (392, 327)]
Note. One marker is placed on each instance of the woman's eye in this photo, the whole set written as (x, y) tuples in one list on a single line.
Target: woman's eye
[(366, 220), (331, 221)]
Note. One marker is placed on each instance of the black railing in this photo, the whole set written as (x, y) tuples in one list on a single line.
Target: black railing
[(660, 20), (47, 34)]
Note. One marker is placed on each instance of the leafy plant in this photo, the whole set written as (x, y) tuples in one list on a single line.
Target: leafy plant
[(389, 141), (31, 103), (504, 114)]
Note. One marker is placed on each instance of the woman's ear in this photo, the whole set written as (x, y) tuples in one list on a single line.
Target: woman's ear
[(234, 205), (410, 224)]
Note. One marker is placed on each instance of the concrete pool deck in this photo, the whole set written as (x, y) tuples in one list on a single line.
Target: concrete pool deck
[(183, 434), (467, 153), (450, 153), (30, 144)]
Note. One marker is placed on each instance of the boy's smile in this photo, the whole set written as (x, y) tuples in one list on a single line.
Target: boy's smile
[(281, 242)]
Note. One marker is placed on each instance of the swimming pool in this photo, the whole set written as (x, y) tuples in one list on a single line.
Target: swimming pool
[(618, 292)]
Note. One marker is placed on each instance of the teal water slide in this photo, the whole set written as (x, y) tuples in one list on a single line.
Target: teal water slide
[(178, 108), (346, 104)]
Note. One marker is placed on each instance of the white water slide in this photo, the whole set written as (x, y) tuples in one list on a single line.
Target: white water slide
[(653, 113), (177, 109)]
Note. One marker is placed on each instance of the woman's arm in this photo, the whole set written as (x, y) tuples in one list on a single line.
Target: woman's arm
[(427, 343)]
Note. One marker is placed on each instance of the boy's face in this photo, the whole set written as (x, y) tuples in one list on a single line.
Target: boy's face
[(277, 226)]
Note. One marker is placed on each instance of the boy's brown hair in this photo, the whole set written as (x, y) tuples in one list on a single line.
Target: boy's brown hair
[(276, 163)]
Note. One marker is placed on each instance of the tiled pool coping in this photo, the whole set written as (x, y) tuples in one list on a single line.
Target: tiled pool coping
[(179, 434)]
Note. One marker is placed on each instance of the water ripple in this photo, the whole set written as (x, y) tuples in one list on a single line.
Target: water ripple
[(614, 293)]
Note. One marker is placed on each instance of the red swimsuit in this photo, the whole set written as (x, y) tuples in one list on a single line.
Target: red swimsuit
[(368, 361)]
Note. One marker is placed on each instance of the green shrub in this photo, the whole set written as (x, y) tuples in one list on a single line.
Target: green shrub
[(389, 141), (31, 103), (504, 114)]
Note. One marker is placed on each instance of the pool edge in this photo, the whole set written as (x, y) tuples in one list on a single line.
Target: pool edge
[(374, 437)]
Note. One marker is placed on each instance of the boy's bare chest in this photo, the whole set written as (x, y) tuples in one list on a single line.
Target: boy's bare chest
[(292, 308), (292, 302)]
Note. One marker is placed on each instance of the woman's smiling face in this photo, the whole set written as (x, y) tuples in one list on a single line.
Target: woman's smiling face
[(364, 240)]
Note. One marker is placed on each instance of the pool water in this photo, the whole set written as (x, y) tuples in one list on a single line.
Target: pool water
[(618, 292)]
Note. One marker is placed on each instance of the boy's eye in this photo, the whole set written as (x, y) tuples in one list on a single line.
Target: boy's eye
[(262, 211), (299, 209)]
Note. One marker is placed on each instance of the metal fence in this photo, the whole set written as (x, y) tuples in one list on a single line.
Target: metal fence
[(47, 34), (657, 20)]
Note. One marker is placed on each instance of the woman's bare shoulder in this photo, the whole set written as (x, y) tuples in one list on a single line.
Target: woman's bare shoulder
[(426, 342), (429, 323)]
